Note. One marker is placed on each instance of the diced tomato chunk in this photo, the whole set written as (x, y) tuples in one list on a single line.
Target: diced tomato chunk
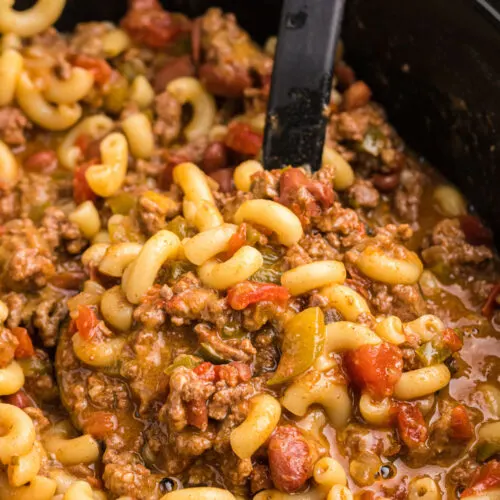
[(81, 189), (100, 424), (486, 478), (460, 424), (205, 371), (411, 425), (489, 305), (96, 65), (243, 139), (86, 322), (148, 23), (375, 368), (292, 183), (245, 293), (233, 373), (452, 340), (25, 347), (237, 240), (19, 399)]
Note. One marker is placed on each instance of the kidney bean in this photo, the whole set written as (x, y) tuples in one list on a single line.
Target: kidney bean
[(44, 162), (290, 459), (387, 182), (19, 399), (344, 74), (475, 232), (357, 95), (224, 177), (225, 80), (214, 157), (176, 68)]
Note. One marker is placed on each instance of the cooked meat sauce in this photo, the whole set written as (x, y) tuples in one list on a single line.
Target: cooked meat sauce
[(179, 323)]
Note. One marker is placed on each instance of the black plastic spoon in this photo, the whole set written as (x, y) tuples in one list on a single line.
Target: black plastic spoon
[(301, 82)]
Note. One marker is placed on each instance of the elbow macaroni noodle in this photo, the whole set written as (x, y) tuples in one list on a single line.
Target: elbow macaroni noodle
[(20, 436), (139, 133), (207, 244), (95, 126), (141, 92), (317, 388), (263, 417), (190, 90), (272, 216), (377, 264), (141, 273), (422, 382), (106, 179), (346, 301), (201, 493), (86, 217), (69, 91), (26, 467), (11, 66), (11, 378), (117, 257), (344, 176), (243, 174), (31, 21), (32, 102), (116, 310), (104, 353), (222, 275), (193, 183), (9, 169), (305, 278)]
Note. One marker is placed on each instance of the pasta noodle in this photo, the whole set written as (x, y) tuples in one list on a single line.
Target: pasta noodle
[(106, 179), (141, 92), (32, 102), (9, 169), (347, 301), (303, 279), (26, 467), (71, 90), (344, 176), (115, 309), (272, 216), (193, 183), (11, 379), (318, 388), (117, 257), (208, 244), (86, 217), (243, 174), (11, 66), (20, 436), (141, 273), (190, 90), (139, 133), (31, 21), (201, 493), (422, 382), (262, 418), (222, 275), (94, 126)]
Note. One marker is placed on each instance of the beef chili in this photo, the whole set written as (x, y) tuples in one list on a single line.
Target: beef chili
[(177, 322)]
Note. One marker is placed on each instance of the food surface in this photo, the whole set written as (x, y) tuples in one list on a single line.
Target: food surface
[(178, 323)]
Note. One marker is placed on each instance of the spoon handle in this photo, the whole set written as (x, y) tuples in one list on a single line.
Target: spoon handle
[(301, 82)]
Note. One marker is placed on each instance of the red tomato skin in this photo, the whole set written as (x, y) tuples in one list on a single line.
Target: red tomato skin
[(376, 368), (452, 340), (25, 348), (243, 139), (237, 240), (484, 479), (411, 425), (86, 322), (460, 426), (245, 293), (97, 66), (100, 424)]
